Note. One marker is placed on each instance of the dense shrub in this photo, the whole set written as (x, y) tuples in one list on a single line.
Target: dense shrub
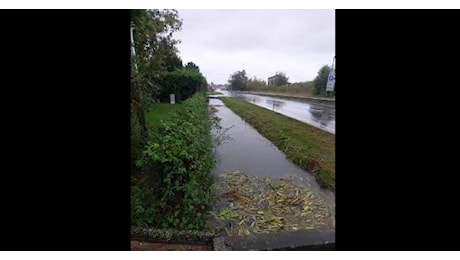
[(178, 159), (183, 83), (299, 88), (142, 90), (136, 140)]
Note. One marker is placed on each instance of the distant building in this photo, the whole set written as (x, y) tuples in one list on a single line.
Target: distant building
[(272, 81)]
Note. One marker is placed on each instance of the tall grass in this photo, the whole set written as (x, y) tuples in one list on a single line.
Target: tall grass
[(300, 89)]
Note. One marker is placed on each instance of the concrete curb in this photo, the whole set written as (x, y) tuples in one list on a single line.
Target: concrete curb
[(300, 240), (219, 244), (170, 235), (312, 240)]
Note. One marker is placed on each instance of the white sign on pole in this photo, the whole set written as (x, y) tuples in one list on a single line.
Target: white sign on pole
[(330, 81), (172, 97)]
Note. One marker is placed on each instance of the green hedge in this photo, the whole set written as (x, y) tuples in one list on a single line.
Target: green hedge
[(183, 83), (175, 189)]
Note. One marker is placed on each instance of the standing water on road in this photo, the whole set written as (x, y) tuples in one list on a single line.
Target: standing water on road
[(317, 114)]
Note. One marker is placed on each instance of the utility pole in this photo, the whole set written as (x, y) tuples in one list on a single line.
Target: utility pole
[(133, 51)]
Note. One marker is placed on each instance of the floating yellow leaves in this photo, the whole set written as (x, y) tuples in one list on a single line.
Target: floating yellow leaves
[(259, 205)]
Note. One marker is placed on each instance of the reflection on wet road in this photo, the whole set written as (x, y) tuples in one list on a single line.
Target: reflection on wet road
[(321, 115)]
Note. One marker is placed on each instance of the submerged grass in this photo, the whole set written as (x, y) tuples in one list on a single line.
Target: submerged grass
[(308, 147), (250, 204)]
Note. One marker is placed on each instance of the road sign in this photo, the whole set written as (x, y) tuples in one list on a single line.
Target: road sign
[(330, 81)]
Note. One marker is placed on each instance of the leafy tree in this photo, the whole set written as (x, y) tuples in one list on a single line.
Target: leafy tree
[(320, 81), (280, 79), (255, 84), (153, 36), (155, 52), (192, 66), (238, 80), (173, 62)]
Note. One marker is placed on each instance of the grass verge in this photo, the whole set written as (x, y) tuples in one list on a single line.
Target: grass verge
[(158, 112), (215, 93), (308, 147)]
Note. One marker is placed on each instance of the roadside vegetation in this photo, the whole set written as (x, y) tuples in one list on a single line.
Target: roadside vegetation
[(308, 147), (301, 89), (175, 189), (171, 145), (280, 85)]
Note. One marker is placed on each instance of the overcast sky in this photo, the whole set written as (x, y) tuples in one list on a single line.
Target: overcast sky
[(220, 42)]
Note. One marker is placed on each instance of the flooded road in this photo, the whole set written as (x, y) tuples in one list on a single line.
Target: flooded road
[(248, 151), (317, 114)]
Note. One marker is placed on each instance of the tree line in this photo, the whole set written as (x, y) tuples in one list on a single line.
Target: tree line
[(240, 81)]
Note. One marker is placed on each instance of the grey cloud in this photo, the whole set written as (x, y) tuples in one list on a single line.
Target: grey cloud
[(297, 42)]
